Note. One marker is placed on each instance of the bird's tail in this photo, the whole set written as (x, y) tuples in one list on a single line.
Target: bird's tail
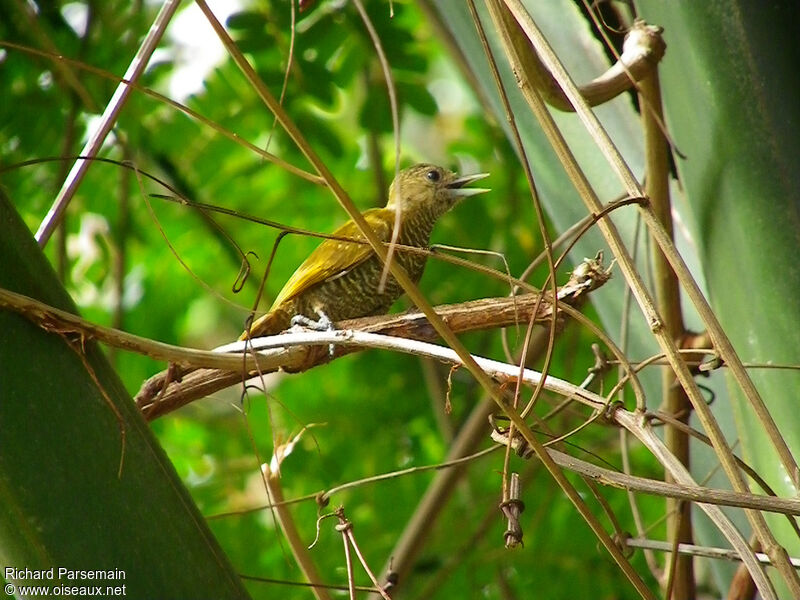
[(272, 323)]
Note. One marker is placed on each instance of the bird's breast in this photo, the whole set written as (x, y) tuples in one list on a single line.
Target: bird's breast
[(357, 291)]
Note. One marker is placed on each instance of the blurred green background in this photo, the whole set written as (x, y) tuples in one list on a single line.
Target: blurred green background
[(373, 412)]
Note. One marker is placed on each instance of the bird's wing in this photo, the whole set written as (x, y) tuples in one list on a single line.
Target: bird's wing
[(334, 258)]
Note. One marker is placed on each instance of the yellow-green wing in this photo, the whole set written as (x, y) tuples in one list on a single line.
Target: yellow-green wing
[(335, 257)]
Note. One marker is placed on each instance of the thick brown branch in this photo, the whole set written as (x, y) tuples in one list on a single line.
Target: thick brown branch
[(164, 393)]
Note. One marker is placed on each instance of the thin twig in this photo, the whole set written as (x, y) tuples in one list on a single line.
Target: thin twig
[(707, 551), (633, 502), (346, 527), (387, 75), (107, 120)]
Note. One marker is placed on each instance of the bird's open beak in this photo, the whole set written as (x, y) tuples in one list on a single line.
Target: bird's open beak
[(457, 188)]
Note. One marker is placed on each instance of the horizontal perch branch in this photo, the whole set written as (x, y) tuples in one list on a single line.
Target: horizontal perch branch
[(166, 391)]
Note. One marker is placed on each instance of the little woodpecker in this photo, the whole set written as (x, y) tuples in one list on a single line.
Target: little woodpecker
[(340, 280)]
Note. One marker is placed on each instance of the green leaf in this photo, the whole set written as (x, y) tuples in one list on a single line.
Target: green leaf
[(375, 114), (63, 503), (419, 98), (245, 20), (733, 109)]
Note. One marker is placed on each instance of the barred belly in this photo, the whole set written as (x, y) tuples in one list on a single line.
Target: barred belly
[(355, 293)]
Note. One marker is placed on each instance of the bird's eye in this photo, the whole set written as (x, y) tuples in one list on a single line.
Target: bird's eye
[(433, 175)]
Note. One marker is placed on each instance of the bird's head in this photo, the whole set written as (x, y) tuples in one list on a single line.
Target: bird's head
[(425, 187)]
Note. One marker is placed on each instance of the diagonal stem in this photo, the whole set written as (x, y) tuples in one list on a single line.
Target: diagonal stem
[(109, 117), (676, 402)]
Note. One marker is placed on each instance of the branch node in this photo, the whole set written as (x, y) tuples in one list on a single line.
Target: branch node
[(512, 508)]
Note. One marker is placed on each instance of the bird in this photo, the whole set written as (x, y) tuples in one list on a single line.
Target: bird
[(342, 280)]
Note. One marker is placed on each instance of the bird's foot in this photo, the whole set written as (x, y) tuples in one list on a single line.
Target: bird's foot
[(322, 324)]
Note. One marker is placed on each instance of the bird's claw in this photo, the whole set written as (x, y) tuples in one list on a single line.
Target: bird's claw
[(322, 324)]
